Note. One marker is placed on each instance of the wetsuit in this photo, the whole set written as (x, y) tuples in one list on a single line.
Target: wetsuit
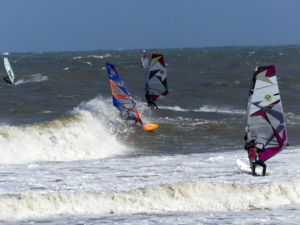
[(254, 159), (7, 80), (247, 146), (149, 100), (125, 114)]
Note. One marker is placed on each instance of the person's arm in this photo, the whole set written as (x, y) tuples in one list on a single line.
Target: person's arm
[(247, 145), (261, 149)]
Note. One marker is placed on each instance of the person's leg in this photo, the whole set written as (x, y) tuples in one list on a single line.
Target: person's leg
[(154, 104), (263, 165), (252, 166)]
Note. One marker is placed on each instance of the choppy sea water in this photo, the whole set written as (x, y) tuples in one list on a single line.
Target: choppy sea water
[(67, 157)]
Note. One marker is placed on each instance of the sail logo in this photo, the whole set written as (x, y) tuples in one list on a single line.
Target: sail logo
[(268, 97)]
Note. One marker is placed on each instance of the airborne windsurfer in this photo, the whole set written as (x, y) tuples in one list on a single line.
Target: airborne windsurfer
[(253, 153), (149, 99)]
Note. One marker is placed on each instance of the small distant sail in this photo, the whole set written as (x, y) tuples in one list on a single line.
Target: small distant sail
[(9, 70), (144, 59), (156, 79), (264, 119), (122, 100)]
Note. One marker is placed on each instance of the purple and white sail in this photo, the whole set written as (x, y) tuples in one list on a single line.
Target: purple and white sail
[(264, 118)]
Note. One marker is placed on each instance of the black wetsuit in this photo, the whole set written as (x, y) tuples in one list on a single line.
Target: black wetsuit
[(125, 114), (253, 153), (247, 146), (7, 80), (149, 100)]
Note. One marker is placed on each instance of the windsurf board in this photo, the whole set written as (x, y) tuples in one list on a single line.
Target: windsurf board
[(149, 126), (245, 168)]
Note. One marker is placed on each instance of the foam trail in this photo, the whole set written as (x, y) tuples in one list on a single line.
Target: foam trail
[(207, 108), (174, 108), (204, 108), (31, 78)]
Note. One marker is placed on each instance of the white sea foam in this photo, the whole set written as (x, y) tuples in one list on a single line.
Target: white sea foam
[(198, 196), (85, 135), (205, 108), (174, 108), (94, 56), (191, 183), (89, 63)]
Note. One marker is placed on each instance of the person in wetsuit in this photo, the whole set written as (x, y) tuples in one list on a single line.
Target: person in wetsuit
[(125, 113), (253, 153), (149, 99), (7, 80)]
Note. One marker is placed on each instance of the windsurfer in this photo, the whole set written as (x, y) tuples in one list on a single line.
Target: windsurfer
[(144, 60), (149, 99), (125, 113), (6, 79), (253, 153)]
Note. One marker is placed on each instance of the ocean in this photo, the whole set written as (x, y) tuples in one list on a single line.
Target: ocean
[(68, 158)]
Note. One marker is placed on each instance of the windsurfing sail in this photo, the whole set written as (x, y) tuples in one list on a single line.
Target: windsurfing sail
[(122, 100), (264, 118), (9, 71), (156, 79), (144, 59)]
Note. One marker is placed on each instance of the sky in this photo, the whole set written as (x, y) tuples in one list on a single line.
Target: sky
[(84, 25)]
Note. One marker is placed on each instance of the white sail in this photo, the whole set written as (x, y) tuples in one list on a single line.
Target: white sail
[(264, 119), (144, 59), (156, 79), (9, 70)]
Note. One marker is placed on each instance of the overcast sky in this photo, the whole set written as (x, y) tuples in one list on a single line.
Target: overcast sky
[(72, 25)]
